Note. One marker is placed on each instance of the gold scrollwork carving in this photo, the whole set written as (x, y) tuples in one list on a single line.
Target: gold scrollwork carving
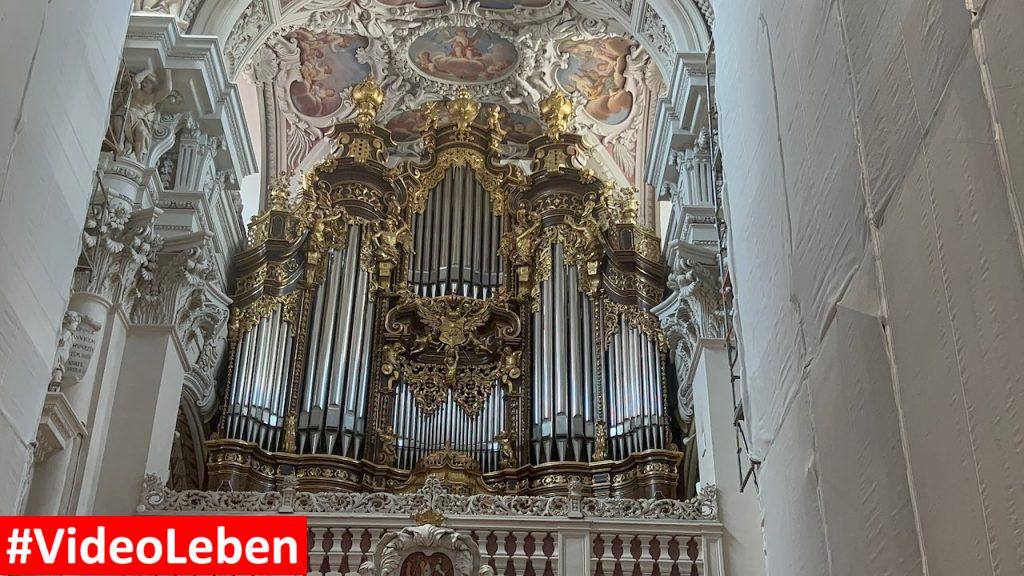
[(635, 317), (621, 204), (529, 246), (626, 283), (600, 441), (452, 343), (245, 318), (459, 473), (419, 183)]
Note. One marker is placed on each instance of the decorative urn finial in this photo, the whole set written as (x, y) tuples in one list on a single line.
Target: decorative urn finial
[(368, 98), (463, 110), (556, 110)]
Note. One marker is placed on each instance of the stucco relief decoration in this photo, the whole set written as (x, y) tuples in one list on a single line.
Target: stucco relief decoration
[(503, 52)]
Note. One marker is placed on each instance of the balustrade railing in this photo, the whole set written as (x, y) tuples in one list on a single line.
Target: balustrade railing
[(517, 535)]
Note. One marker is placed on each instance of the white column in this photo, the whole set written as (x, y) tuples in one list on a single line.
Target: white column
[(59, 63), (742, 543), (144, 413), (92, 399)]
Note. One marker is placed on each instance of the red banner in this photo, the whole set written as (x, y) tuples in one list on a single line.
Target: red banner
[(153, 545)]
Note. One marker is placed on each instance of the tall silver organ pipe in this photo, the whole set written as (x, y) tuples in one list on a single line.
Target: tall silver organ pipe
[(258, 396), (455, 251), (634, 398), (455, 240), (332, 413), (564, 376)]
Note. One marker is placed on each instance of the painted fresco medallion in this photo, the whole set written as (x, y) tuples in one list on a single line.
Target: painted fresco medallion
[(597, 70), (328, 67), (460, 54)]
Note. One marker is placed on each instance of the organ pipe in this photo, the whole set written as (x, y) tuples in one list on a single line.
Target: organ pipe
[(332, 419), (262, 358), (384, 267)]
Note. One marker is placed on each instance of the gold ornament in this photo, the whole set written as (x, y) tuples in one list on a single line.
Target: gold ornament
[(432, 517), (279, 192), (368, 98), (382, 249), (621, 204), (387, 453), (505, 440), (556, 110), (494, 123), (463, 111), (600, 439)]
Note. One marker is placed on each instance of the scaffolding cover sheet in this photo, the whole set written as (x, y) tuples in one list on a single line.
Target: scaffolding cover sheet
[(832, 112)]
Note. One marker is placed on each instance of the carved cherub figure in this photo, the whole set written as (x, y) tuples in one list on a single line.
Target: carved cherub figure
[(387, 452), (507, 450)]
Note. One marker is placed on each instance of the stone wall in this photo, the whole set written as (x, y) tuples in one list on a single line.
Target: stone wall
[(872, 152), (53, 112)]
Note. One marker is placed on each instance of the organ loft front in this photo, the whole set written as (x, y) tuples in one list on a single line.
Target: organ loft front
[(462, 315)]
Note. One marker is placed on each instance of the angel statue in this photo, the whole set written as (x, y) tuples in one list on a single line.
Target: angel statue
[(505, 441), (135, 114)]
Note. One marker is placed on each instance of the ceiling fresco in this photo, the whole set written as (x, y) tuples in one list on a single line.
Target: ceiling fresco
[(509, 53), (328, 68), (460, 54), (596, 70)]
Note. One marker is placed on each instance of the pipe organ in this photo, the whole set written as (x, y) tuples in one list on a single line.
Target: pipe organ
[(454, 314)]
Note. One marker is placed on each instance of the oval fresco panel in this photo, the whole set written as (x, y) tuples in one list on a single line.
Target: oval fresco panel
[(461, 54), (328, 69), (596, 69)]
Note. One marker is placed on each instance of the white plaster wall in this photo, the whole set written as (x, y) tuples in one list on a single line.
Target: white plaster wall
[(873, 150), (58, 60)]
